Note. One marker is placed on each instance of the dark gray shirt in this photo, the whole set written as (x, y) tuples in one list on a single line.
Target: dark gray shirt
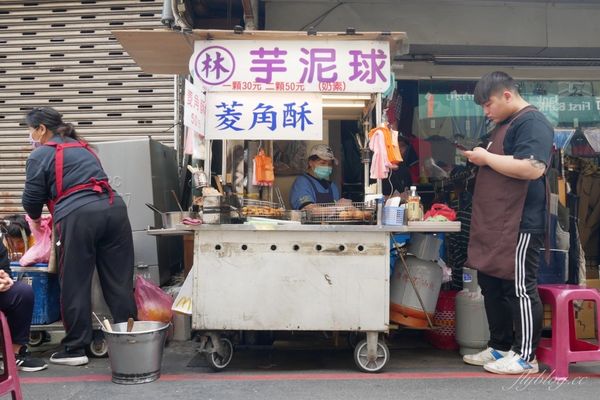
[(40, 184)]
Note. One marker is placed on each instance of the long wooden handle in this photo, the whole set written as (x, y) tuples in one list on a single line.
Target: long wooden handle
[(107, 326)]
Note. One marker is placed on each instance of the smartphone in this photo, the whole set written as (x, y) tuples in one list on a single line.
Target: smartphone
[(460, 146)]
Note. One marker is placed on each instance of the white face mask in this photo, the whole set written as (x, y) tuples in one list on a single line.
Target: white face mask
[(34, 143)]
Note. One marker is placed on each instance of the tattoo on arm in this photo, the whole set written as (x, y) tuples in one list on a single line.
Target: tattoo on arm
[(538, 164)]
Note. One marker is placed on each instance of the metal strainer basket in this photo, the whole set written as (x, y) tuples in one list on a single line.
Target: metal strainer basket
[(345, 213), (261, 208)]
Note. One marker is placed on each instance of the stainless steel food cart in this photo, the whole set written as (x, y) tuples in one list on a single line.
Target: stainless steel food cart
[(294, 277)]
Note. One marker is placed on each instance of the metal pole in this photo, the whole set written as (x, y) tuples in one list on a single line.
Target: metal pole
[(224, 161), (378, 111), (366, 126)]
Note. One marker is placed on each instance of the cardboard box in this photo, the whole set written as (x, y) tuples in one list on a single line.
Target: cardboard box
[(188, 253), (585, 315), (547, 324)]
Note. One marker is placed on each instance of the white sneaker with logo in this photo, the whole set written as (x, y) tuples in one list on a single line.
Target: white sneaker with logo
[(484, 357), (512, 364)]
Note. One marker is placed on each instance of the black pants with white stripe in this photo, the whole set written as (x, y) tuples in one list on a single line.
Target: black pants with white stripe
[(514, 310)]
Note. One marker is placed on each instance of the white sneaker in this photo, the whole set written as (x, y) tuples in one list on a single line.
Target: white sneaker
[(484, 357), (512, 364)]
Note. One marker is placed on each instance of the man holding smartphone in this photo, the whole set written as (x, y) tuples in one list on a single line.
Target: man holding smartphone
[(508, 224)]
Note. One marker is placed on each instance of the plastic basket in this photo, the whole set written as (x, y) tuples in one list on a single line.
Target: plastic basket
[(393, 215)]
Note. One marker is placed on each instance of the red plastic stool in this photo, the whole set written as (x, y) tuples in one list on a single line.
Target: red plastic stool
[(9, 380), (564, 347)]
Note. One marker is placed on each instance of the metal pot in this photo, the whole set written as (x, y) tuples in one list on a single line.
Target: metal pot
[(171, 218)]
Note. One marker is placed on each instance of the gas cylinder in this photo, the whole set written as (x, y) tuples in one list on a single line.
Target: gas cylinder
[(472, 331), (405, 307)]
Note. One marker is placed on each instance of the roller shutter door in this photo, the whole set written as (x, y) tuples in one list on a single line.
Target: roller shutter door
[(61, 53)]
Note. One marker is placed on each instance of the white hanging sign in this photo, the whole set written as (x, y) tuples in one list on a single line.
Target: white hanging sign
[(357, 66), (260, 116), (194, 116), (194, 107)]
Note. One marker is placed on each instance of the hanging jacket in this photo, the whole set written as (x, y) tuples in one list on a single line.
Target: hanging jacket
[(380, 164)]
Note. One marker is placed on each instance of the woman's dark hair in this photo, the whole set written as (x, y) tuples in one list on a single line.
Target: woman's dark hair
[(313, 157), (52, 120), (492, 83)]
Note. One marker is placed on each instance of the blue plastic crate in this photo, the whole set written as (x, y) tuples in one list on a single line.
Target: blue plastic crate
[(46, 291)]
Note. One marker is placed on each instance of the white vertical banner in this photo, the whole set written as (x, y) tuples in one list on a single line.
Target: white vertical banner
[(264, 116), (194, 117)]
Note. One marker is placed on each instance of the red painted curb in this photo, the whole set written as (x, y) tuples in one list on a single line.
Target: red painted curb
[(226, 377)]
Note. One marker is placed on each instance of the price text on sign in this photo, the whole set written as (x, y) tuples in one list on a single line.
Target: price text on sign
[(194, 107), (292, 66)]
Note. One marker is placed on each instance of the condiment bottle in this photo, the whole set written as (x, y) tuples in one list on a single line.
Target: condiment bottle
[(414, 211)]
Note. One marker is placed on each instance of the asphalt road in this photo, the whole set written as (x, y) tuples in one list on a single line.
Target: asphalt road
[(310, 367)]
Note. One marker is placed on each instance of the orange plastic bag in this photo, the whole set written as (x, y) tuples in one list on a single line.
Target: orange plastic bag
[(152, 302), (265, 172)]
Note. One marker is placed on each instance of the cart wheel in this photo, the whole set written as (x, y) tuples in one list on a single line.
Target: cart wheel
[(36, 338), (99, 347), (218, 363), (360, 357)]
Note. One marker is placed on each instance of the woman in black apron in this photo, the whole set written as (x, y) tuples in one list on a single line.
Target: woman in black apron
[(315, 187)]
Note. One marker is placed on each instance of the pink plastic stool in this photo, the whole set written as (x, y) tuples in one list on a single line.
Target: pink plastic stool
[(9, 380), (564, 347)]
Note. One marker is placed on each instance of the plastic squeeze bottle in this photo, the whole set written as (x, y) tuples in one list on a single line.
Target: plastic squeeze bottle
[(414, 211)]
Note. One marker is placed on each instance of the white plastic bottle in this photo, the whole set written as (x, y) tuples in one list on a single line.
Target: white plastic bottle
[(414, 211)]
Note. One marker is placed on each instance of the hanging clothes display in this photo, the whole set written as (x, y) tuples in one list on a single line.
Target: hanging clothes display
[(380, 164), (383, 142), (588, 190)]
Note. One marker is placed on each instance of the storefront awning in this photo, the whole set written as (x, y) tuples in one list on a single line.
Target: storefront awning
[(162, 51)]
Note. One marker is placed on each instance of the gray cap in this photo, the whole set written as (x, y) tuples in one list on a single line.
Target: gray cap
[(324, 152)]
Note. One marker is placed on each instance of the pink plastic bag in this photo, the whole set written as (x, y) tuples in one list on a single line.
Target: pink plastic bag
[(152, 302), (41, 249)]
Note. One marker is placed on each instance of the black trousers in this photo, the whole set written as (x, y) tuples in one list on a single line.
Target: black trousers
[(96, 235), (17, 304), (513, 308)]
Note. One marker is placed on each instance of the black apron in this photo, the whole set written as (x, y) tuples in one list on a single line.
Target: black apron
[(321, 198), (498, 203)]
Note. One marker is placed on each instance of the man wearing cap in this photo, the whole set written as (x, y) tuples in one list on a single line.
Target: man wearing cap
[(315, 186)]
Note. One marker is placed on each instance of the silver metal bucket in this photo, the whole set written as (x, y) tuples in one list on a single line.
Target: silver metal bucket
[(136, 356)]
